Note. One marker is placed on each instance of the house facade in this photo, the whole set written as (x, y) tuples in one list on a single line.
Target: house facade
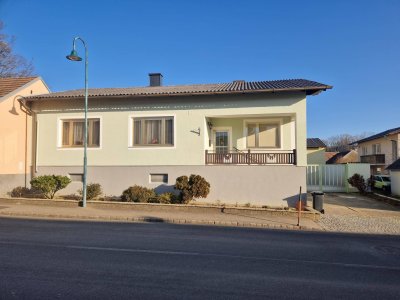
[(16, 131), (380, 150), (248, 139)]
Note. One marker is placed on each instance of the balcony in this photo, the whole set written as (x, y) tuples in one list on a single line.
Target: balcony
[(374, 159), (250, 157)]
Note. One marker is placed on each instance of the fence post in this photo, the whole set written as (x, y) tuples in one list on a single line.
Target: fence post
[(205, 157), (346, 175), (320, 167), (248, 157), (294, 157)]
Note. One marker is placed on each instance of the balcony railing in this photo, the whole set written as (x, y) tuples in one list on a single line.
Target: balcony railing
[(373, 159), (250, 157)]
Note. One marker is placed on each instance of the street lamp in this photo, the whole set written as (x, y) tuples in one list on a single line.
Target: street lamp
[(74, 57)]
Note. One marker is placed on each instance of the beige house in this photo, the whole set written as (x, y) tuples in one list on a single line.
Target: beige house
[(16, 130), (248, 139), (380, 150), (316, 149)]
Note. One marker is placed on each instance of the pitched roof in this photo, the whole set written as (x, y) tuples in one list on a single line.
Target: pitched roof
[(235, 87), (394, 166), (315, 143), (10, 84), (343, 157), (378, 135)]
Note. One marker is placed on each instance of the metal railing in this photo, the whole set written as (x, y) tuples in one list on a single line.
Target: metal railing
[(373, 159), (251, 157)]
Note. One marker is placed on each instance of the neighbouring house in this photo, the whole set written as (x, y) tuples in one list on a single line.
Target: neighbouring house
[(343, 157), (248, 139), (315, 151), (394, 170), (380, 150), (16, 130)]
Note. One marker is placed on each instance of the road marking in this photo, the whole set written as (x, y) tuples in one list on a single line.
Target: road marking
[(185, 253)]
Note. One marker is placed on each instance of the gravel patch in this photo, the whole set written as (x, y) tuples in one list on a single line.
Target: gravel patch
[(361, 224)]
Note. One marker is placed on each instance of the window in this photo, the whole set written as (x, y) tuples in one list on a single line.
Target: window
[(76, 177), (262, 135), (73, 133), (376, 148), (159, 178), (157, 131), (364, 150)]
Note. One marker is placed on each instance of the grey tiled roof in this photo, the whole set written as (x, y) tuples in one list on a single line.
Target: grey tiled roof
[(394, 166), (315, 143), (378, 135), (238, 87)]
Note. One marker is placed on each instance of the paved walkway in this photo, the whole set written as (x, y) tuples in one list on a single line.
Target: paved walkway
[(155, 215), (360, 214)]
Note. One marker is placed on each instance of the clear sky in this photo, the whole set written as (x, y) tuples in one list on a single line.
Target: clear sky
[(352, 45)]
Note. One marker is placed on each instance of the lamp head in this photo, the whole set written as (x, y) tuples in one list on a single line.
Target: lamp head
[(74, 56)]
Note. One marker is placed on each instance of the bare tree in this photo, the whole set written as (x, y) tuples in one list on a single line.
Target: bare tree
[(341, 142), (11, 64)]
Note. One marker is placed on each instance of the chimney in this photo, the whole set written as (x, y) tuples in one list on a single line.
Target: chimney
[(155, 79)]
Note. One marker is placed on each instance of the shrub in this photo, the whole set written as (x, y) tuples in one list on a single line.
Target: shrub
[(358, 182), (49, 185), (19, 191), (167, 198), (138, 193), (93, 190), (193, 187)]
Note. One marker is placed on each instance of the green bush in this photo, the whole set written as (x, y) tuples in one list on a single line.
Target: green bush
[(138, 193), (167, 198), (19, 192), (49, 185), (193, 187), (93, 190), (358, 182)]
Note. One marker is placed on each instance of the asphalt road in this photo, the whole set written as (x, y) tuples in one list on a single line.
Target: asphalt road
[(87, 260)]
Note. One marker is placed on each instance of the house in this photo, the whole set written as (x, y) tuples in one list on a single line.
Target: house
[(380, 150), (16, 130), (248, 139), (394, 170), (343, 157), (315, 151)]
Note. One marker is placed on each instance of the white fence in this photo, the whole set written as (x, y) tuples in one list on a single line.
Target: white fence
[(333, 178)]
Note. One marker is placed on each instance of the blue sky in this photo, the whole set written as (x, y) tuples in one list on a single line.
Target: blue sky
[(352, 45)]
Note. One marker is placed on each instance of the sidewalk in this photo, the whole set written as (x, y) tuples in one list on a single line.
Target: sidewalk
[(71, 210)]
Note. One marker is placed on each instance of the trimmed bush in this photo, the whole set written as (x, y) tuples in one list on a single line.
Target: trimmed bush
[(93, 190), (138, 193), (49, 185), (19, 192), (358, 182), (193, 187)]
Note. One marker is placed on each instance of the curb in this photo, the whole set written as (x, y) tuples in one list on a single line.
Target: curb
[(309, 214), (155, 220)]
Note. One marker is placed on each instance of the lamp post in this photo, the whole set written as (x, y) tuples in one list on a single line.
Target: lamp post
[(74, 57)]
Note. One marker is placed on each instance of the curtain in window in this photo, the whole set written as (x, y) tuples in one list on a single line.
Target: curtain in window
[(65, 134), (95, 132), (153, 132), (169, 132), (267, 136), (78, 133), (251, 135)]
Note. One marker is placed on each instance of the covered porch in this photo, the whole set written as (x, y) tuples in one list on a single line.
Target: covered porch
[(251, 140)]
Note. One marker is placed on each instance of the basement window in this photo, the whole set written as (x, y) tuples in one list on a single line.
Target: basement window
[(158, 178)]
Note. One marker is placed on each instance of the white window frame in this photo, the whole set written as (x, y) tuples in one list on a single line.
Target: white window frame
[(130, 131), (60, 120), (226, 128), (270, 121), (375, 148)]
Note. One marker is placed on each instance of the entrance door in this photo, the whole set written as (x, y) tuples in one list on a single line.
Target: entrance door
[(221, 141)]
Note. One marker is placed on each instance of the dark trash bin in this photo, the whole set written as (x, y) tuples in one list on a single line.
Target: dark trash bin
[(318, 201)]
